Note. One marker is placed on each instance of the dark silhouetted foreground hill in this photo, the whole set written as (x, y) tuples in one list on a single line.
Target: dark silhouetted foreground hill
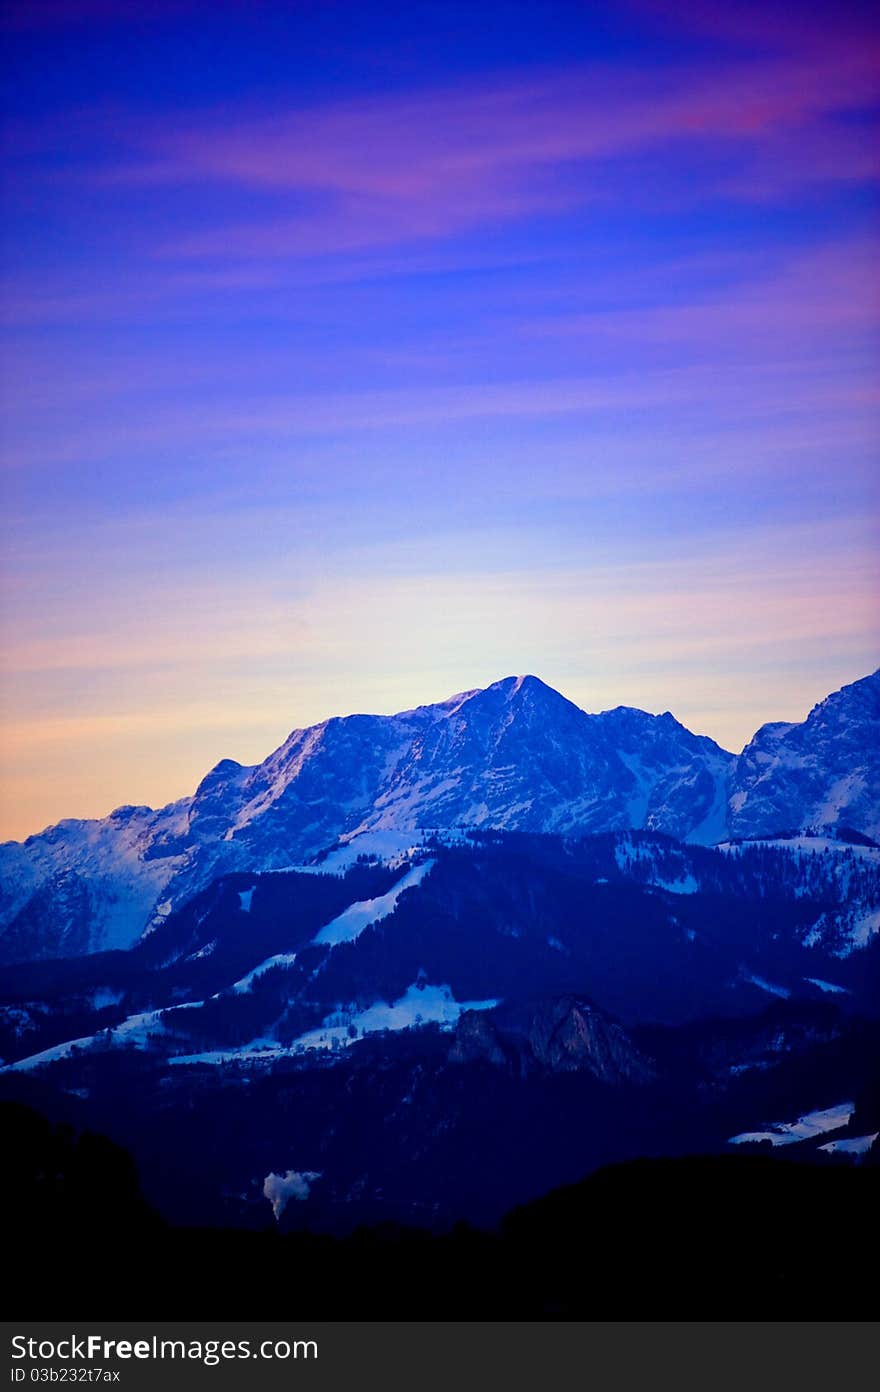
[(733, 1237)]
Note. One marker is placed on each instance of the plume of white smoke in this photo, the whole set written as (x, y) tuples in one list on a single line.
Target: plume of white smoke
[(280, 1189)]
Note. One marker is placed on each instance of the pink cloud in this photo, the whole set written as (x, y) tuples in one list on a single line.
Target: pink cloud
[(408, 167), (414, 167), (824, 298), (403, 147)]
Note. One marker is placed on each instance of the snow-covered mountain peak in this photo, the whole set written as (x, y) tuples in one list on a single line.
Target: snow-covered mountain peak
[(858, 699), (515, 755), (823, 772), (526, 684)]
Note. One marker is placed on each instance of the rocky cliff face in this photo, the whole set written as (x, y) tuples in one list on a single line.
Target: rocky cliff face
[(563, 1035)]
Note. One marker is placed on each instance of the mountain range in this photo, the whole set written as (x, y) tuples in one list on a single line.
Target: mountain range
[(427, 966), (515, 756)]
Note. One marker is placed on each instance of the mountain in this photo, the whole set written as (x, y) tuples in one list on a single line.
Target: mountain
[(822, 773), (446, 1037), (463, 1025), (516, 756), (259, 969), (423, 967)]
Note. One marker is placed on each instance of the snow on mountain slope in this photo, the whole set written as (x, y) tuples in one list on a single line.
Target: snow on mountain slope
[(86, 886), (650, 927), (851, 1145), (515, 756), (135, 1030), (421, 1004), (806, 1127), (518, 756), (824, 772), (352, 922), (846, 877)]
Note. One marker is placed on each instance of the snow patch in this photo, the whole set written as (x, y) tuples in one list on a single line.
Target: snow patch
[(814, 845), (864, 929), (851, 1145), (245, 983), (419, 1005), (768, 986), (804, 1129), (686, 885), (133, 1032), (387, 846), (352, 921), (840, 795), (58, 1051)]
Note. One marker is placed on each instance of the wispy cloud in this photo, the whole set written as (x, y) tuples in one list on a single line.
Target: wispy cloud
[(355, 174), (815, 296), (364, 383)]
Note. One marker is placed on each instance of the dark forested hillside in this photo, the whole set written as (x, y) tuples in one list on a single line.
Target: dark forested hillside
[(698, 1237)]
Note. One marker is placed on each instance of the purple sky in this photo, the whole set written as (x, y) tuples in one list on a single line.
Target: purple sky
[(355, 354)]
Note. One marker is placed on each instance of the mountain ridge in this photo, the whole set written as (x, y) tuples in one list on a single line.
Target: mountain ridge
[(516, 755)]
